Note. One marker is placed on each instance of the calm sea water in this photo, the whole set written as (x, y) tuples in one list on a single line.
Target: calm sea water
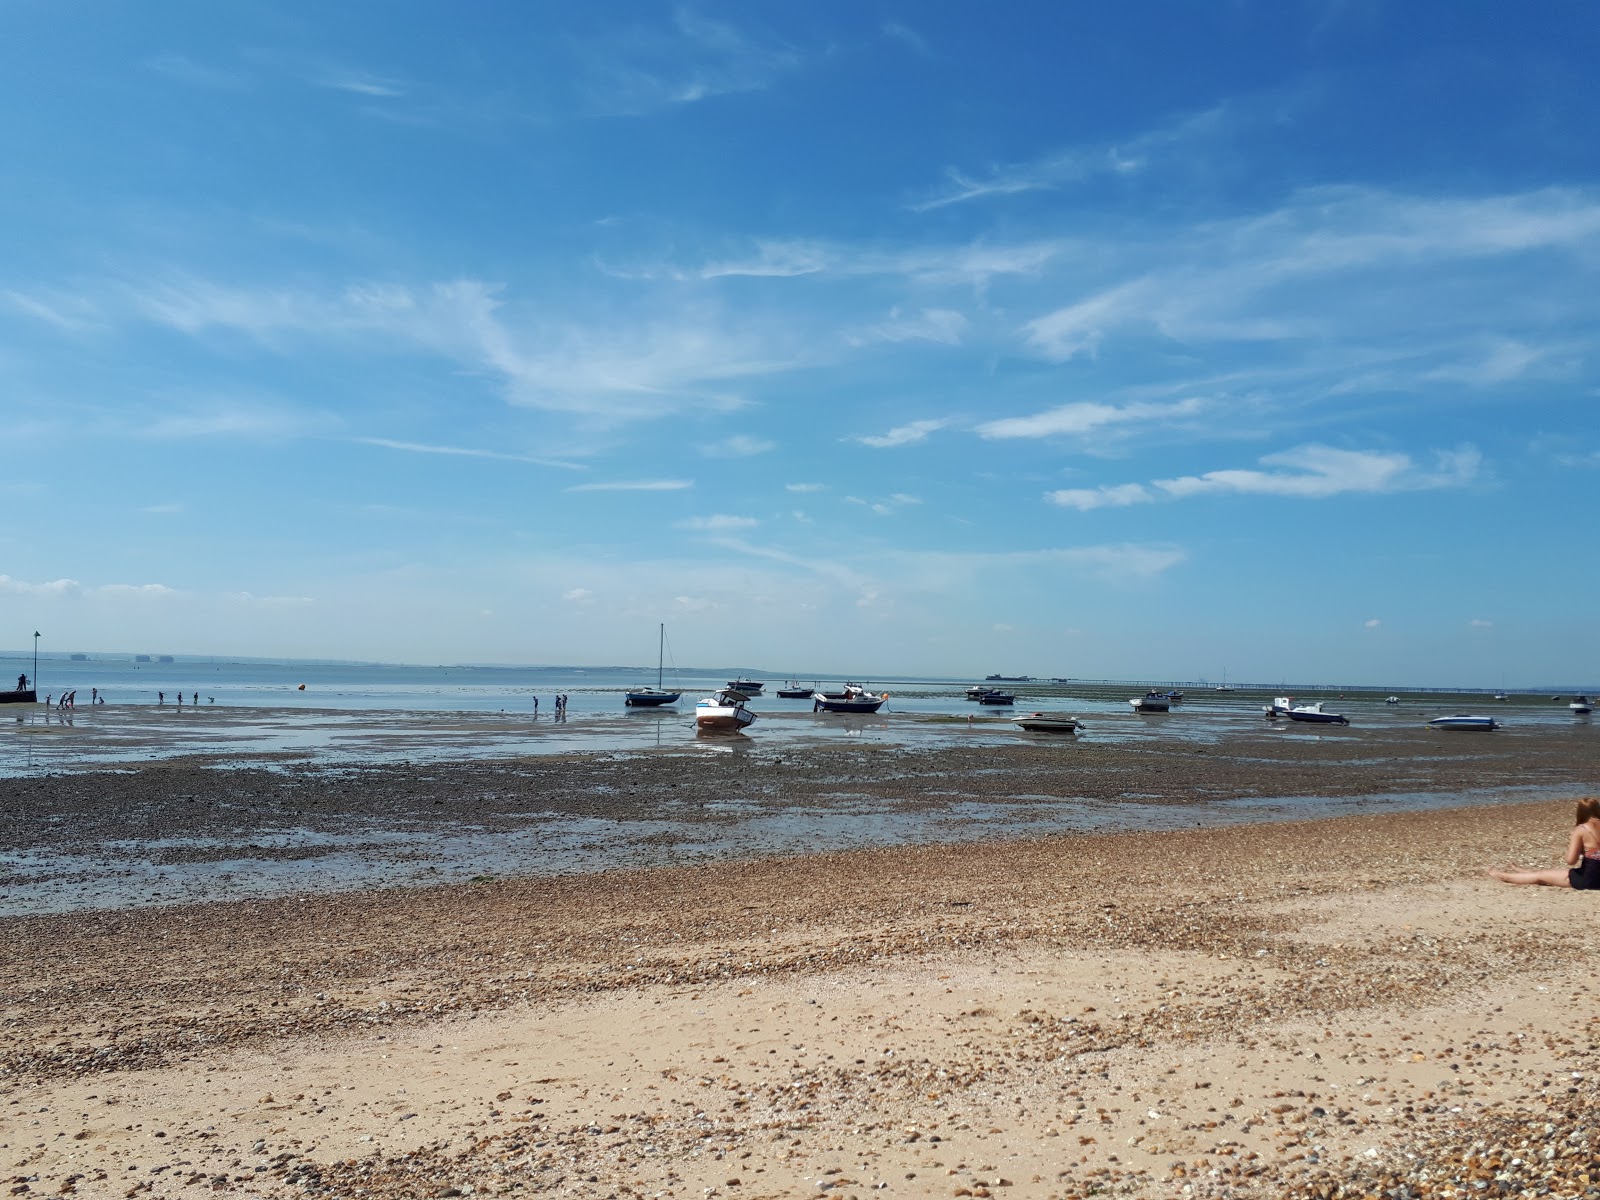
[(352, 712)]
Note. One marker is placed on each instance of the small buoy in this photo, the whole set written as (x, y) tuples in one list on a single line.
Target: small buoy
[(301, 688)]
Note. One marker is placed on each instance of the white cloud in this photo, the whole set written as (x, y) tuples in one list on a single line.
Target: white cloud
[(637, 485), (1339, 265), (908, 37), (942, 325), (577, 595), (804, 487), (905, 435), (465, 452), (1480, 623), (1504, 360), (1080, 163), (362, 84), (1089, 417), (1307, 472), (1317, 472), (718, 523), (1116, 496), (739, 445), (643, 69), (1372, 623), (644, 369)]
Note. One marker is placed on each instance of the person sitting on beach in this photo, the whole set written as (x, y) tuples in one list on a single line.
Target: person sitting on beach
[(1583, 856)]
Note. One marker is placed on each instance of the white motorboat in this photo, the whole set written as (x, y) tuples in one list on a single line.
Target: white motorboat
[(1049, 723), (723, 713), (1580, 706), (1313, 714), (1391, 699), (1464, 721), (1152, 702)]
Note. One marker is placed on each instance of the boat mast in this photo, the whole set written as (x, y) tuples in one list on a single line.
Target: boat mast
[(661, 642)]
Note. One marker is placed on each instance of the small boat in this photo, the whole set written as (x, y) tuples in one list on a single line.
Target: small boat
[(1464, 721), (1580, 706), (995, 696), (859, 700), (977, 690), (1151, 702), (1174, 697), (1501, 696), (794, 691), (748, 686), (1391, 699), (19, 696), (653, 697), (1048, 723), (1312, 714), (722, 712)]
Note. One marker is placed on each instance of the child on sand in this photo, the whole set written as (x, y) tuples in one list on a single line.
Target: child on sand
[(1583, 856)]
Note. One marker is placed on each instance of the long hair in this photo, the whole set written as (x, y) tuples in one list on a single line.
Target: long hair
[(1588, 809)]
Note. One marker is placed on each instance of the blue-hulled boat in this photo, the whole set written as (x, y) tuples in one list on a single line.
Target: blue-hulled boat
[(653, 697)]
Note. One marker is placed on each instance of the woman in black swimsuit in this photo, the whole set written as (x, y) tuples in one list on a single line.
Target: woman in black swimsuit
[(1583, 856)]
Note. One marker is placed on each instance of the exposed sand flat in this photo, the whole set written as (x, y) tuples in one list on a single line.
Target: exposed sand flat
[(1272, 1010)]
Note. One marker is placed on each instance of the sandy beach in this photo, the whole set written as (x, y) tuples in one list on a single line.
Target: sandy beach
[(1331, 1007)]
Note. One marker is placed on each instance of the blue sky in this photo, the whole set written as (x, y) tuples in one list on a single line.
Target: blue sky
[(1141, 340)]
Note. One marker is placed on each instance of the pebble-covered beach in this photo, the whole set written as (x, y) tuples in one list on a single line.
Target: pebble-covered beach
[(1342, 1006)]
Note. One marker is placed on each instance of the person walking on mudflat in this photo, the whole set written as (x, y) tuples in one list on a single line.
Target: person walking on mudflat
[(1583, 856)]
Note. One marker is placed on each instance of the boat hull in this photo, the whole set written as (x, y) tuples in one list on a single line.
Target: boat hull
[(997, 698), (846, 706), (1040, 723), (1317, 718), (794, 693), (1465, 722), (722, 718), (650, 699), (28, 696), (1150, 704)]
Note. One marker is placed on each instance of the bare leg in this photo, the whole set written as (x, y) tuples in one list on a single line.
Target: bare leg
[(1556, 877)]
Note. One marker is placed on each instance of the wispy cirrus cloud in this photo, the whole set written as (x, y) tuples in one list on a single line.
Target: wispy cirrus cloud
[(1090, 417), (942, 325), (1310, 472), (905, 435), (888, 505), (361, 83), (182, 69), (738, 445), (1079, 163), (466, 452), (804, 487), (974, 264), (606, 373), (645, 68), (717, 523), (1346, 265), (637, 485)]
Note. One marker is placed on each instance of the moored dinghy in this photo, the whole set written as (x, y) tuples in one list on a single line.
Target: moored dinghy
[(1152, 702), (855, 700), (1040, 722), (1465, 721)]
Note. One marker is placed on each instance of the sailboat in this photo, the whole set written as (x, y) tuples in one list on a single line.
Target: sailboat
[(653, 697)]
